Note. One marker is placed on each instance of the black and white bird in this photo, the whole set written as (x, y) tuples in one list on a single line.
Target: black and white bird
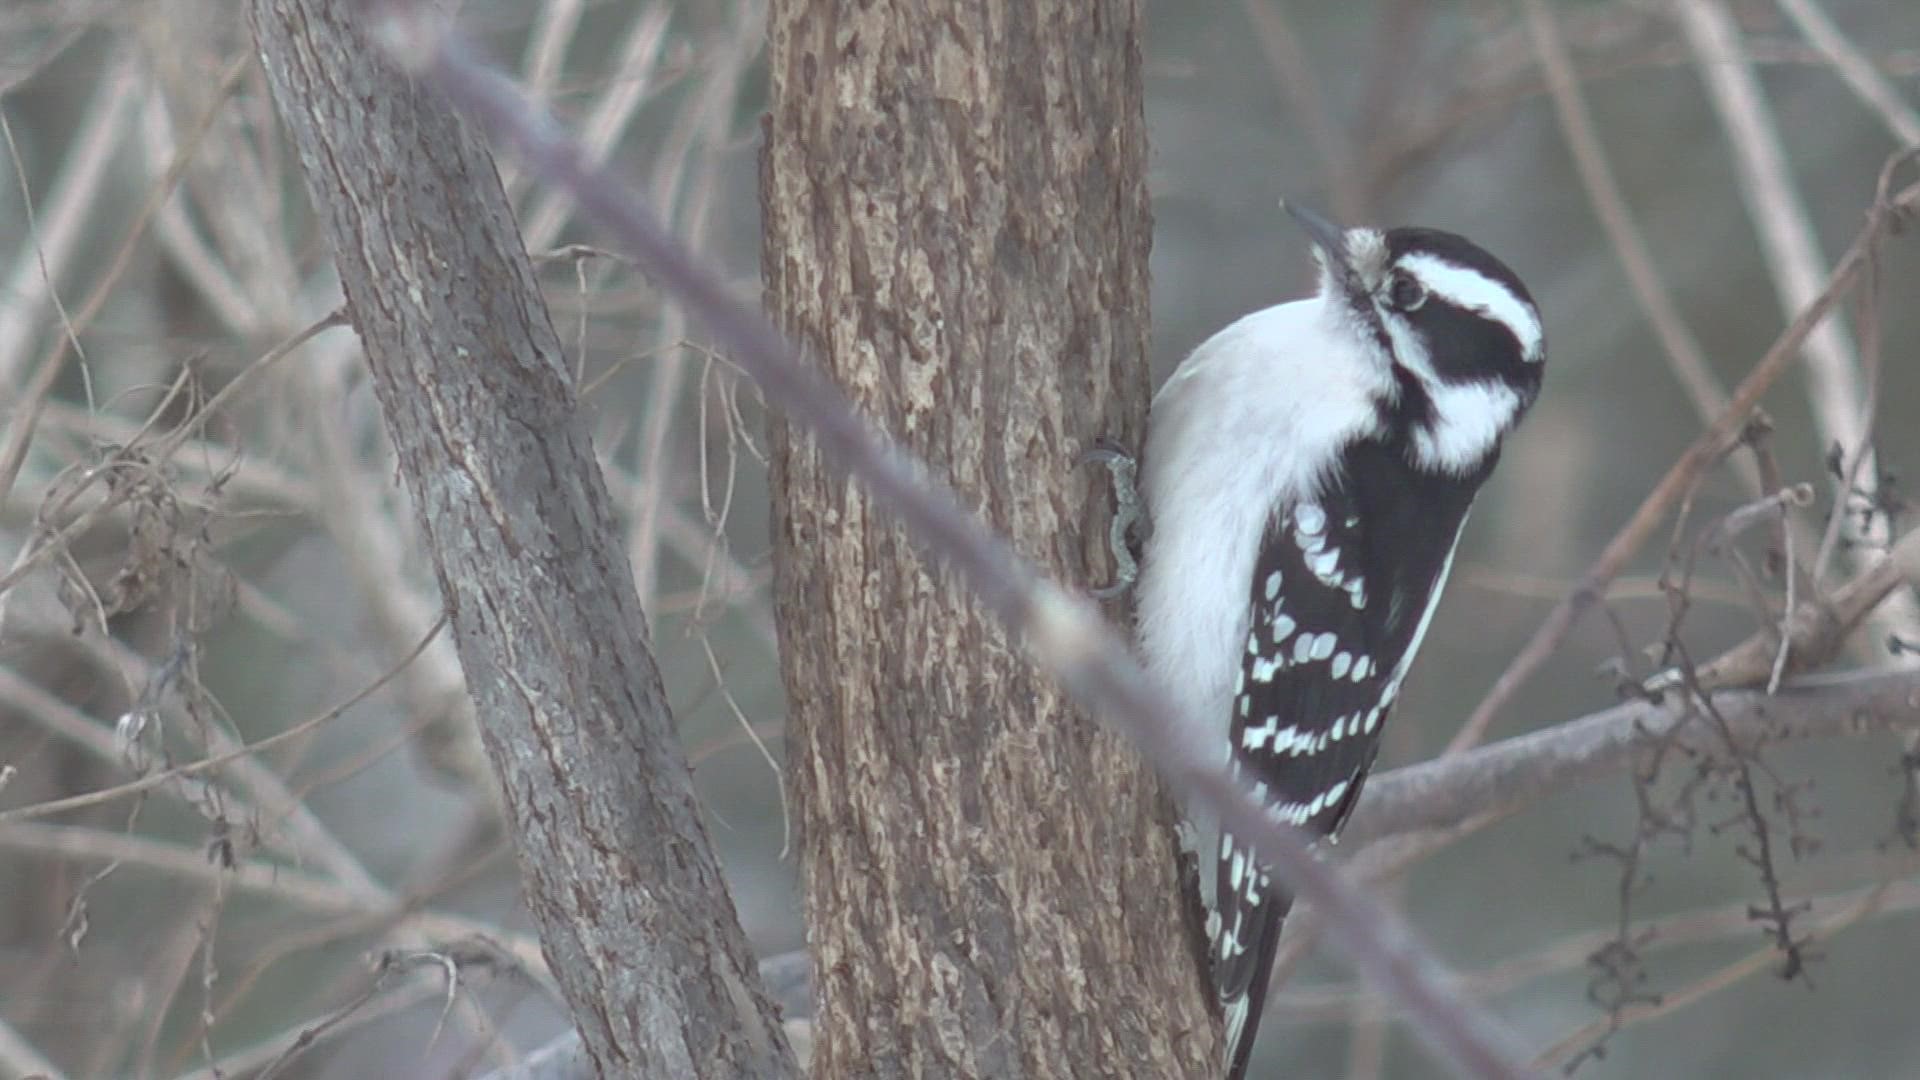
[(1307, 472)]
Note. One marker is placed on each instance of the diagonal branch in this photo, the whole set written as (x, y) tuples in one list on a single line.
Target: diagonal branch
[(1882, 219), (1496, 780)]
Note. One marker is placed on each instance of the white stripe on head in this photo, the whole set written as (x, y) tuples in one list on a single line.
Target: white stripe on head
[(1468, 288), (1469, 419)]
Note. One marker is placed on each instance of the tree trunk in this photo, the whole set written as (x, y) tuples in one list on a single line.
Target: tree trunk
[(633, 913), (957, 227)]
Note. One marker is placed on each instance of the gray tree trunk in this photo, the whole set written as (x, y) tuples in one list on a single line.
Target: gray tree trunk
[(957, 227), (615, 863)]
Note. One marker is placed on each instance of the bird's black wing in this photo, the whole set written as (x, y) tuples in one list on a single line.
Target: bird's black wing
[(1343, 588)]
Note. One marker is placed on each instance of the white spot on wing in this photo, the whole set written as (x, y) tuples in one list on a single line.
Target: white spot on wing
[(1323, 646), (1333, 795), (1254, 738), (1310, 518), (1326, 566), (1264, 668)]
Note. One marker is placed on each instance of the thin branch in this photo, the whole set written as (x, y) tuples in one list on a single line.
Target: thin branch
[(1829, 913), (1779, 215), (709, 113), (33, 397), (1501, 778), (1882, 217), (1684, 354), (1835, 383), (630, 83), (1856, 69), (1867, 902), (208, 764), (160, 449), (1816, 628), (1065, 632), (47, 246), (296, 888), (248, 1059), (21, 1057), (1292, 66)]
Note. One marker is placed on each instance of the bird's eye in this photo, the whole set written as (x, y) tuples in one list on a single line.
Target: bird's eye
[(1405, 292)]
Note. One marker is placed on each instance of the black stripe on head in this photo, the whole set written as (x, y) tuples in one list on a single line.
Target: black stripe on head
[(1456, 249), (1465, 345)]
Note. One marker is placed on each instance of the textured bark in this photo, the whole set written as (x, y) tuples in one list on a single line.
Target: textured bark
[(957, 227), (633, 913)]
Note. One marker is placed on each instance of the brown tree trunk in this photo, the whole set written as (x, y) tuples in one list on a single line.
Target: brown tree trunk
[(634, 917), (957, 227)]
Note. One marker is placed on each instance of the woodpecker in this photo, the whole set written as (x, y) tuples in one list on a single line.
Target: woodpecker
[(1306, 475)]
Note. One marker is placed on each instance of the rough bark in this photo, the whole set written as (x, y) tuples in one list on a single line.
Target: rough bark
[(956, 225), (633, 913)]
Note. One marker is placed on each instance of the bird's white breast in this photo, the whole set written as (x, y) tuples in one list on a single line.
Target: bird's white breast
[(1250, 423)]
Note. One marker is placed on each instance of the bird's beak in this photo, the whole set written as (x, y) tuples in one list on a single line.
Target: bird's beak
[(1328, 237)]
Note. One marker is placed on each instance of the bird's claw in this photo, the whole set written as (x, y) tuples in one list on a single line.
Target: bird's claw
[(1121, 468), (1107, 451)]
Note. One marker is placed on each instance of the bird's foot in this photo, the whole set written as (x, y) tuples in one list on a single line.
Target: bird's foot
[(1122, 469)]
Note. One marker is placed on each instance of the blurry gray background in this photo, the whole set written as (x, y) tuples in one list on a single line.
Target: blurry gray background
[(270, 571)]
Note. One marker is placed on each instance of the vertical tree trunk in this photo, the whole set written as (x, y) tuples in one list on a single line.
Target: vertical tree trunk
[(634, 916), (957, 227)]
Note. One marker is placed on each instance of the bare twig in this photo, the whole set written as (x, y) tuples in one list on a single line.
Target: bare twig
[(194, 768), (21, 1058), (1834, 380), (1865, 903), (1817, 627), (266, 878), (1500, 778), (1684, 355), (29, 403), (1856, 69), (47, 248), (1828, 913), (1679, 478), (247, 1060), (628, 85), (160, 449), (711, 111), (1293, 68)]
